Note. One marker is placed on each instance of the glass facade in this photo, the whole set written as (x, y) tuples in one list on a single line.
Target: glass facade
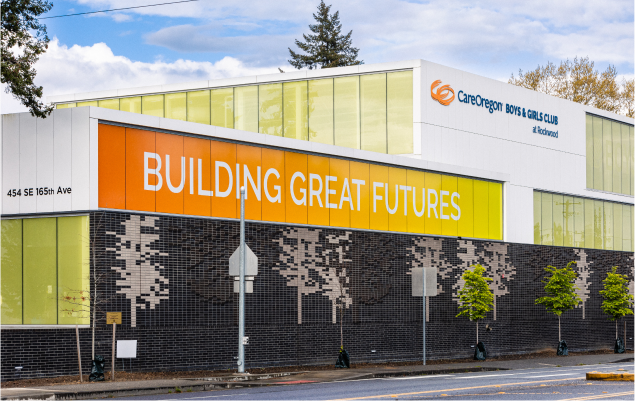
[(45, 271), (609, 155), (371, 112), (570, 221)]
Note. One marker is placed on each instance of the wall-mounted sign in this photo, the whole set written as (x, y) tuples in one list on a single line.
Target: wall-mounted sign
[(113, 317)]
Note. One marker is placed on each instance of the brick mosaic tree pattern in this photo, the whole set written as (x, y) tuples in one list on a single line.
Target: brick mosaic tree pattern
[(583, 281), (142, 281)]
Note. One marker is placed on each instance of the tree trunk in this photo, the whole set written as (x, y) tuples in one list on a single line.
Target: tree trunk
[(624, 333), (477, 331), (559, 337), (616, 329), (341, 326)]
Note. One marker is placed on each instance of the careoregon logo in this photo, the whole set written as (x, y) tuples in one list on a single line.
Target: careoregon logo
[(442, 93)]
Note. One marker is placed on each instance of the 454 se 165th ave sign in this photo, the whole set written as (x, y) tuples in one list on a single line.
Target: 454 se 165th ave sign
[(41, 191)]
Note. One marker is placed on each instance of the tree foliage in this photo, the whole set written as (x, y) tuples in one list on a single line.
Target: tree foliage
[(326, 47), (580, 82), (560, 290), (24, 38), (617, 301), (475, 298)]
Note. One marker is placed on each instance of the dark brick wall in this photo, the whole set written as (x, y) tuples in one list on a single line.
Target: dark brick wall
[(174, 271)]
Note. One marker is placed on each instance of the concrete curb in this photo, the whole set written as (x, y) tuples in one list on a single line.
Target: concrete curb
[(622, 377)]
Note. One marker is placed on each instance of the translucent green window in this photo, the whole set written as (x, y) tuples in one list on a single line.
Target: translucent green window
[(598, 175), (39, 271), (347, 112), (608, 225), (130, 104), (627, 228), (626, 160), (66, 105), (632, 163), (616, 137), (112, 104), (321, 111), (599, 229), (176, 106), (73, 273), (295, 110), (607, 155), (198, 107), (547, 219), (90, 103), (246, 108), (589, 223), (617, 226), (373, 107), (399, 112), (578, 222), (152, 105), (568, 216), (589, 151), (270, 109), (558, 214), (223, 108), (11, 272), (537, 217)]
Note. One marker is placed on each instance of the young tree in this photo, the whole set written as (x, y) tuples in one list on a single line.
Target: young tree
[(326, 47), (23, 40), (475, 298), (560, 290), (617, 303)]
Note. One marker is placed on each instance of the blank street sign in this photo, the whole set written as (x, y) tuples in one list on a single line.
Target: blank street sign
[(251, 263), (126, 348), (417, 281)]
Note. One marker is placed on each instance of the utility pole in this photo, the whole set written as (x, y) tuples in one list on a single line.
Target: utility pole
[(241, 285)]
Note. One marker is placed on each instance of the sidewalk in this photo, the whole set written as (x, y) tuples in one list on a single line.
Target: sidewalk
[(147, 387)]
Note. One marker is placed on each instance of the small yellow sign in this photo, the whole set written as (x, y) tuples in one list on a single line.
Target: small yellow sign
[(113, 317)]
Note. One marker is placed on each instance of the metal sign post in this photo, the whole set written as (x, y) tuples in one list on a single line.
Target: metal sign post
[(113, 318), (241, 285), (424, 284), (424, 317)]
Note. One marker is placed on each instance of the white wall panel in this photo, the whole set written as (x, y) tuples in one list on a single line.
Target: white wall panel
[(10, 162), (62, 160), (80, 177), (45, 164), (28, 163), (94, 163)]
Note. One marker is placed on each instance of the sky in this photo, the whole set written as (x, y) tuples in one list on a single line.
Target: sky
[(209, 39)]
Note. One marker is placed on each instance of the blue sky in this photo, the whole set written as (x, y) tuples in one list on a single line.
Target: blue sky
[(219, 38)]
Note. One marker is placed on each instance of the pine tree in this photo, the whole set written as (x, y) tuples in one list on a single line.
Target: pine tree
[(326, 47), (475, 298), (617, 301), (560, 290)]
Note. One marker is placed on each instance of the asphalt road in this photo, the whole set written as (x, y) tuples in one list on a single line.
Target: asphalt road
[(549, 383)]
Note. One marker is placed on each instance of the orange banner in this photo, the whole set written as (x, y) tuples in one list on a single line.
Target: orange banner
[(167, 173)]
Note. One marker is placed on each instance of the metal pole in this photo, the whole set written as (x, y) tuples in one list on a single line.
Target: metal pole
[(79, 355), (241, 286), (112, 373), (424, 316)]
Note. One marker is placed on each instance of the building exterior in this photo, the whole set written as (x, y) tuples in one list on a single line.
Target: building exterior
[(355, 176)]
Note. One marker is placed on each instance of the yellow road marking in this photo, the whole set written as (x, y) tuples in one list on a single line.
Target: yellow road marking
[(599, 396), (454, 389)]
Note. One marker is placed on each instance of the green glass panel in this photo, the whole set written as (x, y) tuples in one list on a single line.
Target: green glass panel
[(152, 105), (65, 105), (347, 112), (537, 217), (321, 111), (295, 110), (547, 219), (568, 216), (39, 256), (627, 228), (11, 272), (578, 222), (176, 106), (558, 219), (589, 224), (112, 104), (399, 112), (607, 155), (617, 226), (86, 104), (223, 108), (632, 163), (616, 134), (598, 224), (198, 107), (130, 104), (373, 107), (608, 225), (246, 108), (589, 151), (598, 175), (626, 160), (73, 270), (270, 109)]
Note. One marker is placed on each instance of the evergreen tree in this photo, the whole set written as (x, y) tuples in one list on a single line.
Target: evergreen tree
[(560, 290), (617, 301), (326, 47), (475, 298), (23, 40)]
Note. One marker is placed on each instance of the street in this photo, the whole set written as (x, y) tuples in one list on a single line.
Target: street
[(548, 383)]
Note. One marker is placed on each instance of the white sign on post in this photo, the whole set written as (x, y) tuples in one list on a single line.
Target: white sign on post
[(251, 269), (417, 281), (126, 348)]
